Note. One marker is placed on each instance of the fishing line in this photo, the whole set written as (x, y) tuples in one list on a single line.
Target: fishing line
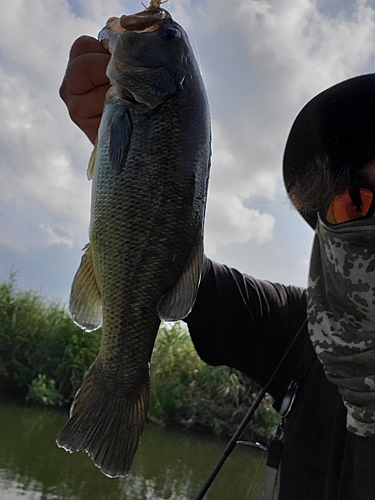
[(196, 49), (232, 443)]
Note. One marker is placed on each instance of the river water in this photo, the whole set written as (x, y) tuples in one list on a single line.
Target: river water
[(167, 466)]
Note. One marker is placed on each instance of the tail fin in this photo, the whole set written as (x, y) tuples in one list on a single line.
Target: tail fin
[(106, 427)]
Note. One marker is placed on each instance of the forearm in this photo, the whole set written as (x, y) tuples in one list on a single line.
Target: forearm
[(245, 323)]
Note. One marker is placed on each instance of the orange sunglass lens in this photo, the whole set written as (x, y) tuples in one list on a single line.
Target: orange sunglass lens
[(343, 209)]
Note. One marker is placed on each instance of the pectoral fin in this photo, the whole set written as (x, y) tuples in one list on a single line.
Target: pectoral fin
[(119, 142), (177, 303), (85, 304)]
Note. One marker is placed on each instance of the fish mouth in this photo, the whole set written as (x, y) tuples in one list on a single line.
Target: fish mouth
[(142, 22), (145, 21), (126, 95)]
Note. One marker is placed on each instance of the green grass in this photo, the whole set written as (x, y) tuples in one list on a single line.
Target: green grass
[(44, 355)]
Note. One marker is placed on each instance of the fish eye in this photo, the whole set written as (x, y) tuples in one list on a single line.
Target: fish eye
[(171, 33)]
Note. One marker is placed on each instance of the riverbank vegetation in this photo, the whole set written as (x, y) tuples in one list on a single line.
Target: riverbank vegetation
[(44, 355)]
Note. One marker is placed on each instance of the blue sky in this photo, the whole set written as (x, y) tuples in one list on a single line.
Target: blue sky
[(261, 60)]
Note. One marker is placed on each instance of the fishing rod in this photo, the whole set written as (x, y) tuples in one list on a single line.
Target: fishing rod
[(232, 443)]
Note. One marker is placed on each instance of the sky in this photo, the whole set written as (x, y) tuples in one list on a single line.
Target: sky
[(261, 61)]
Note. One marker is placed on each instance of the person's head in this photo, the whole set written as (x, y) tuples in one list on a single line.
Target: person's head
[(331, 146), (329, 173)]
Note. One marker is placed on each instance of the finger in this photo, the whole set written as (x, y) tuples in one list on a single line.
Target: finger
[(89, 105), (86, 110), (86, 45), (85, 84), (90, 128), (84, 73)]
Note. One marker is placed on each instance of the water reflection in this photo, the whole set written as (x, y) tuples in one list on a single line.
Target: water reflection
[(168, 466)]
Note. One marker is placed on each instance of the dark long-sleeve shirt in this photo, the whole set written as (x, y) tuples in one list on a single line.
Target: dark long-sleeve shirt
[(248, 324)]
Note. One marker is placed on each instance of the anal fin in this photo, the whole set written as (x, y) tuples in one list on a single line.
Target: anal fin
[(85, 304)]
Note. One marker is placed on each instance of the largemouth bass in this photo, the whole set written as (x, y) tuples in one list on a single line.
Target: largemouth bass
[(143, 263)]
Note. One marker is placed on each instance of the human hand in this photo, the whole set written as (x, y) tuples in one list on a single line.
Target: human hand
[(85, 84)]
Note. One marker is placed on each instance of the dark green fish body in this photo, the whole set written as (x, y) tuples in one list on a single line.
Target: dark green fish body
[(143, 262)]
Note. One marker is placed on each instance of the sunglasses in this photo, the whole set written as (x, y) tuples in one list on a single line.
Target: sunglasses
[(357, 202)]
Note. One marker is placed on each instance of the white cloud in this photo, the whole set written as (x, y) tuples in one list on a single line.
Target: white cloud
[(272, 58), (42, 157), (229, 222), (10, 242), (306, 48), (36, 166), (54, 238), (261, 61)]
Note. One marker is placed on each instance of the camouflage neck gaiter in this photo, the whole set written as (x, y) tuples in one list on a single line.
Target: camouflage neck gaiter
[(341, 315)]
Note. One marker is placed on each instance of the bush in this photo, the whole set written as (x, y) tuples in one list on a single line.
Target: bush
[(44, 355), (40, 344), (43, 390), (185, 391), (174, 365)]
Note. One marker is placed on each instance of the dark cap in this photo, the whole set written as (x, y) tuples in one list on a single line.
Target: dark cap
[(337, 128)]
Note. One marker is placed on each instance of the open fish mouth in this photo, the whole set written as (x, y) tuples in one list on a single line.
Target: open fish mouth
[(126, 95)]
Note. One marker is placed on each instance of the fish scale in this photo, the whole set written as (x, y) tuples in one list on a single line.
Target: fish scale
[(143, 263)]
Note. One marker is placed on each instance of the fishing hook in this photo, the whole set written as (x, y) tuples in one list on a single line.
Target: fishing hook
[(154, 4)]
